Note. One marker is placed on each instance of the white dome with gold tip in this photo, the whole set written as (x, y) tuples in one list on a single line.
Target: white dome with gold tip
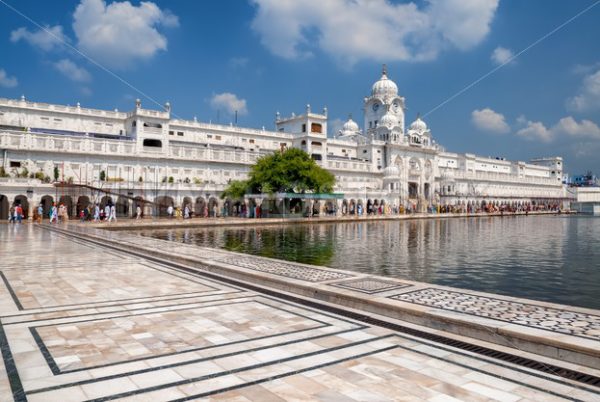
[(350, 126), (418, 125), (384, 87)]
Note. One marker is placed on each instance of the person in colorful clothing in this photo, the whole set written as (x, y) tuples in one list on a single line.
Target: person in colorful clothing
[(53, 214), (40, 213)]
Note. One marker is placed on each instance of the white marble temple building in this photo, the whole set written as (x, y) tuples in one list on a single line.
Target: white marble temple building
[(145, 154)]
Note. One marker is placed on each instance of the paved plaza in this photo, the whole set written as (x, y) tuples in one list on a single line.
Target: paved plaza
[(81, 322)]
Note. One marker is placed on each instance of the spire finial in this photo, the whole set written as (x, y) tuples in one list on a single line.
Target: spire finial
[(349, 116), (384, 69), (418, 115)]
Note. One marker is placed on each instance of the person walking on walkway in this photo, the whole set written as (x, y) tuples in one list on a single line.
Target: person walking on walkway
[(112, 216), (18, 213), (138, 212), (11, 214), (40, 213), (170, 211), (96, 213), (107, 212), (186, 212), (53, 214)]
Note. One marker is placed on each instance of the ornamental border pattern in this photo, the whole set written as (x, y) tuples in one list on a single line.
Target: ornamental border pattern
[(562, 321), (370, 285), (285, 269)]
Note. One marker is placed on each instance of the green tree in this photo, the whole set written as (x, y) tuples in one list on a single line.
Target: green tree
[(236, 189), (3, 172), (171, 179), (56, 173), (102, 175), (291, 171)]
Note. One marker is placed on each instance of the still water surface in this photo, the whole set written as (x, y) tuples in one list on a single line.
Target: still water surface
[(549, 258)]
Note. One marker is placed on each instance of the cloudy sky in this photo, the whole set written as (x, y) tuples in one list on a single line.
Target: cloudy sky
[(508, 78)]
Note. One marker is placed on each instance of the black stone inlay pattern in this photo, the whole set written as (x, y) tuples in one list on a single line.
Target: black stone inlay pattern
[(260, 365), (289, 270), (370, 285), (57, 370), (526, 314), (11, 369)]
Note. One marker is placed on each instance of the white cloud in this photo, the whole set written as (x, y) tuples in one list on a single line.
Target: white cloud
[(6, 81), (488, 120), (47, 39), (535, 131), (588, 97), (565, 127), (119, 34), (463, 22), (585, 68), (501, 55), (570, 126), (229, 102), (72, 71), (354, 30)]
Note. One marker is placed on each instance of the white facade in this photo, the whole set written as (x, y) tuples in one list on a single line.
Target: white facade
[(146, 154)]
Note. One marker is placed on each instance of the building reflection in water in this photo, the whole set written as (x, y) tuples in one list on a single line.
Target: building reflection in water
[(551, 258)]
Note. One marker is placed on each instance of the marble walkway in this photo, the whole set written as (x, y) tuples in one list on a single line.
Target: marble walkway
[(81, 322)]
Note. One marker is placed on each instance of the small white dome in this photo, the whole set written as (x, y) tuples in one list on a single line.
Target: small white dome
[(391, 171), (388, 120), (384, 87), (350, 126), (418, 125)]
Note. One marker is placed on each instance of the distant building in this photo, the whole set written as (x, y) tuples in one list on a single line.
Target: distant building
[(146, 155), (584, 180)]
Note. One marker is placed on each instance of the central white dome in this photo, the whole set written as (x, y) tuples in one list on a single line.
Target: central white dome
[(384, 87)]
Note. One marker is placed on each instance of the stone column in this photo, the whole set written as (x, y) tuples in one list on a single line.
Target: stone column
[(32, 206)]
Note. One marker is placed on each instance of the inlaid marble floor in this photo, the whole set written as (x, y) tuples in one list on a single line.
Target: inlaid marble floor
[(80, 322)]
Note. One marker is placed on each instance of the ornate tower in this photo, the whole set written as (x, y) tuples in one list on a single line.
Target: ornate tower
[(384, 100)]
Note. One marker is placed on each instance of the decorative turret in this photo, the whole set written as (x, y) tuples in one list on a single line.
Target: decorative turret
[(384, 100)]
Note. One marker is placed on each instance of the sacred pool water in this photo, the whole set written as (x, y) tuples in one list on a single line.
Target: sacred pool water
[(549, 258)]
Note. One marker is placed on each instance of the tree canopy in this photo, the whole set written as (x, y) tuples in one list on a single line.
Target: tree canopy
[(291, 171)]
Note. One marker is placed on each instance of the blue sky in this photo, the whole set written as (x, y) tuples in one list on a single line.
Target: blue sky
[(262, 56)]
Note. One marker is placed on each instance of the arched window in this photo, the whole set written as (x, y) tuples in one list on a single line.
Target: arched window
[(316, 128)]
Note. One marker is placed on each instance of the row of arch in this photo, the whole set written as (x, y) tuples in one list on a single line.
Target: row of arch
[(200, 206), (125, 206), (213, 206)]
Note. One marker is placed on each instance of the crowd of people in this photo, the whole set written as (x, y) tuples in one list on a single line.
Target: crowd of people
[(108, 212)]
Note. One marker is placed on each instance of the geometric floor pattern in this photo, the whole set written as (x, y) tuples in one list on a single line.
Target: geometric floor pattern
[(80, 323), (529, 315), (370, 285)]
